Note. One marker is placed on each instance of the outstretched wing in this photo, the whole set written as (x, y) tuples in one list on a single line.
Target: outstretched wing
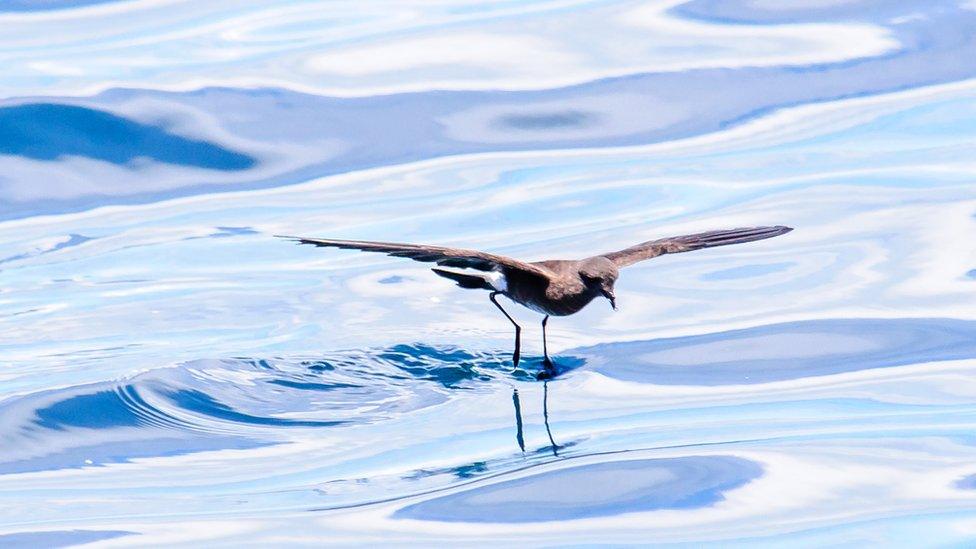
[(443, 256), (687, 243)]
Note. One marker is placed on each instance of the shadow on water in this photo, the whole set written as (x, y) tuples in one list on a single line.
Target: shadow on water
[(591, 490), (47, 131), (787, 351), (237, 403)]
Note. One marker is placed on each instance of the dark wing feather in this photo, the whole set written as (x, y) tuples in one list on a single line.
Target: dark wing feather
[(687, 243), (443, 256)]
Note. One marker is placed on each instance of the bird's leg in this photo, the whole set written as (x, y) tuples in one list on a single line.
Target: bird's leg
[(518, 331), (546, 361)]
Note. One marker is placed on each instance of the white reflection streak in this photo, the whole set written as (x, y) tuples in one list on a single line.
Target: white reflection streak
[(158, 45)]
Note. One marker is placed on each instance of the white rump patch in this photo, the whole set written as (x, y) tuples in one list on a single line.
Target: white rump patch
[(497, 280)]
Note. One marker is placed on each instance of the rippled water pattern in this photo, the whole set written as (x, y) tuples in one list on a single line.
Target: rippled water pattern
[(171, 374)]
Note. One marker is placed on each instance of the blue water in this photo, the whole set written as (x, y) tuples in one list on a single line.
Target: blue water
[(173, 375)]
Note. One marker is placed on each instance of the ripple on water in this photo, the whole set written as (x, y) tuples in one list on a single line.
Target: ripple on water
[(58, 538), (786, 351), (235, 403), (967, 482), (593, 490)]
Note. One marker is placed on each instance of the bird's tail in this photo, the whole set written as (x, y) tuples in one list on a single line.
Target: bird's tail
[(469, 281)]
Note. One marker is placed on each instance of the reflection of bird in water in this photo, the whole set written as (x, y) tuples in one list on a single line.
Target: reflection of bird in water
[(519, 437), (552, 287)]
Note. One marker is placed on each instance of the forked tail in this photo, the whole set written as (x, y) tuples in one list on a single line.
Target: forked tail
[(468, 281)]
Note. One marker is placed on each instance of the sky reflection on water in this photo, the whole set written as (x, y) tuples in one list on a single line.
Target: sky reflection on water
[(171, 374)]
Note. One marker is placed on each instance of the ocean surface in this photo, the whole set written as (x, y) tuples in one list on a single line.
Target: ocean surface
[(173, 375)]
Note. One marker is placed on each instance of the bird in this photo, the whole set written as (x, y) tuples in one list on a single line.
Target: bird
[(555, 287)]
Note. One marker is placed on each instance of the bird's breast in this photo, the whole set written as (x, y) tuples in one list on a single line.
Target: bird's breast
[(558, 298), (562, 304)]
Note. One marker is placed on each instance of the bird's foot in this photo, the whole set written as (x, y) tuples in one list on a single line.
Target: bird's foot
[(515, 361), (548, 370)]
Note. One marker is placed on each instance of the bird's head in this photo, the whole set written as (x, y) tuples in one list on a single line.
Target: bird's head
[(599, 274)]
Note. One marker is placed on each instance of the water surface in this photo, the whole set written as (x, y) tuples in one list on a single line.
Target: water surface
[(172, 374)]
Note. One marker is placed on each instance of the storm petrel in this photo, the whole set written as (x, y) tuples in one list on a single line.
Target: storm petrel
[(556, 287)]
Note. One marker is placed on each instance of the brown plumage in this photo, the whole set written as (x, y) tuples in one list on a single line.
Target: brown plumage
[(553, 287)]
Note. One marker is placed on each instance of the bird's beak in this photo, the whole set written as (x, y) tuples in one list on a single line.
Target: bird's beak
[(613, 299)]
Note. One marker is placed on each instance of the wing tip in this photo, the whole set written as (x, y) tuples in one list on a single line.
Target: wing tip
[(774, 230), (295, 239), (740, 235), (286, 236)]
